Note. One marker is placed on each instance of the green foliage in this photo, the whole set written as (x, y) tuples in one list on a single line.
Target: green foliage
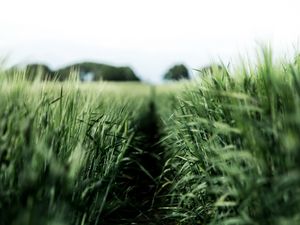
[(61, 147), (38, 70), (81, 71), (99, 71), (177, 72), (230, 148), (233, 147), (211, 69)]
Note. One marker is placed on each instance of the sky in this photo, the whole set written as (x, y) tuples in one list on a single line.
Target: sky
[(148, 35)]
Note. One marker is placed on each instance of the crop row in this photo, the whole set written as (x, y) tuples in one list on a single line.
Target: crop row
[(232, 146), (61, 147)]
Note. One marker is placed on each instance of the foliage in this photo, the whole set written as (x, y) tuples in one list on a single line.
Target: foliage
[(39, 70), (80, 70), (61, 148), (233, 147), (228, 144), (100, 72), (211, 69), (177, 72)]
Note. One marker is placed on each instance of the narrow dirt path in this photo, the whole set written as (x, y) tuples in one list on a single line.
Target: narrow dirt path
[(140, 175)]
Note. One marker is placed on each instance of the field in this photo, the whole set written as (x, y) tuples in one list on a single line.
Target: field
[(222, 149)]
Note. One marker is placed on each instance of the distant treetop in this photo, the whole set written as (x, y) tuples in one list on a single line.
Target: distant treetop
[(177, 72), (38, 70)]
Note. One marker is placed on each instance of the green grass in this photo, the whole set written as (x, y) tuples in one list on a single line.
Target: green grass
[(61, 148), (228, 145), (233, 147)]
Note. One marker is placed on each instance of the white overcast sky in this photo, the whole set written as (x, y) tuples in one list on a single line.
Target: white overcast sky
[(149, 35)]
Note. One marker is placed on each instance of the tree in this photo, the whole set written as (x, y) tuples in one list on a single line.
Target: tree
[(41, 71), (99, 72), (177, 72)]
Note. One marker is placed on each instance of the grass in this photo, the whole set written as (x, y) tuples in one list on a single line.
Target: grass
[(233, 147), (61, 149), (223, 149)]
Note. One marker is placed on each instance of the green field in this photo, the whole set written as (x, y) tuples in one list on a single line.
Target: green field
[(221, 149)]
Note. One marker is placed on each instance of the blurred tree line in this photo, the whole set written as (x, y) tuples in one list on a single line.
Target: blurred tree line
[(87, 71)]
